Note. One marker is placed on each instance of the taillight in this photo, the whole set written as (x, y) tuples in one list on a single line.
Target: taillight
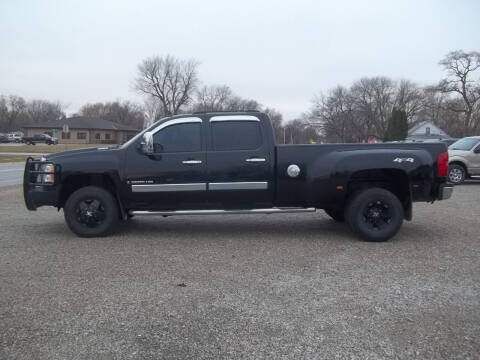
[(442, 164)]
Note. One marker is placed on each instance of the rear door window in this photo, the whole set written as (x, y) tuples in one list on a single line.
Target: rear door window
[(236, 135)]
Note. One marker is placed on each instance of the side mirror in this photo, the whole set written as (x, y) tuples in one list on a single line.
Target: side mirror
[(147, 143), (477, 150)]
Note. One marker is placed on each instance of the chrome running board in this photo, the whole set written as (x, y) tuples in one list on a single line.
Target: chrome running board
[(219, 212)]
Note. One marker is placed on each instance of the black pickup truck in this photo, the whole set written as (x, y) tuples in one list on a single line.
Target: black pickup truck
[(40, 139), (228, 163)]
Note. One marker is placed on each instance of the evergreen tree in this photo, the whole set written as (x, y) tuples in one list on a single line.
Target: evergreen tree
[(397, 129)]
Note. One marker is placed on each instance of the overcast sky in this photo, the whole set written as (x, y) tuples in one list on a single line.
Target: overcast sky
[(279, 53)]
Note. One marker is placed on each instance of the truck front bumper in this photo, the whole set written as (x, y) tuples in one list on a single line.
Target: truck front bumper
[(39, 194), (445, 191)]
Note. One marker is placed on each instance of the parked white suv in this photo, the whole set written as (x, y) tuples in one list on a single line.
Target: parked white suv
[(14, 137), (464, 159)]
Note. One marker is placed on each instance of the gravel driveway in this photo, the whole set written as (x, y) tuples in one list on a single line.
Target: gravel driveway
[(261, 286)]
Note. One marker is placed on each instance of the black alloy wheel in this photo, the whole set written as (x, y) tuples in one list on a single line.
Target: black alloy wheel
[(375, 214), (91, 211)]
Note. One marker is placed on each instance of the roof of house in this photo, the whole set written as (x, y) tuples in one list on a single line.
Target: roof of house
[(418, 125), (82, 122)]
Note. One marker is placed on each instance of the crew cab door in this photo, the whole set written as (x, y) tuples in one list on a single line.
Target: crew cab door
[(174, 176), (239, 163)]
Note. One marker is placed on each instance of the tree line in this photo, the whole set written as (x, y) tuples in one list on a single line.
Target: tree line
[(15, 112), (372, 106)]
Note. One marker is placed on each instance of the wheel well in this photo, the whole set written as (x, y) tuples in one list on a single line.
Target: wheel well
[(75, 182), (393, 180)]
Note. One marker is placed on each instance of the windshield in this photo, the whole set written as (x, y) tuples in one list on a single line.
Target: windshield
[(464, 144)]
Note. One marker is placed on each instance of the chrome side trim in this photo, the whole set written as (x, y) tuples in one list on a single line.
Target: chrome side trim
[(176, 121), (255, 160), (191, 162), (260, 185), (220, 212), (169, 187), (234, 118)]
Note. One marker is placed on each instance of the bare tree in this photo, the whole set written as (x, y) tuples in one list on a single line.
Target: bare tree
[(12, 112), (433, 104), (43, 111), (171, 80), (460, 67), (125, 113), (276, 119), (333, 113), (3, 113), (374, 101), (409, 98), (213, 98), (300, 131), (352, 114), (152, 111), (236, 103)]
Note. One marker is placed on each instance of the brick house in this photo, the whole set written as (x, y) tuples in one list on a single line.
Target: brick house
[(83, 130)]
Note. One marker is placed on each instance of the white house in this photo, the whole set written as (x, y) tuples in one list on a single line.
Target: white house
[(426, 130)]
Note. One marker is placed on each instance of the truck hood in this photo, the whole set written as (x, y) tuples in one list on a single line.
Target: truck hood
[(80, 153)]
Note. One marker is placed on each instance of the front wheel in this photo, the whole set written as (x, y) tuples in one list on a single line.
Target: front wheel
[(375, 214), (91, 212), (456, 174)]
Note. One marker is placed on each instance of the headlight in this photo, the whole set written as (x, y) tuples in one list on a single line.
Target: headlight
[(46, 178)]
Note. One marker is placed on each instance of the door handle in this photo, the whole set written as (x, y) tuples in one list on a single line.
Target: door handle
[(255, 160), (191, 162)]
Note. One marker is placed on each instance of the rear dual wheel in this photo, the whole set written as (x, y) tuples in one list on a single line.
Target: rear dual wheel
[(374, 214)]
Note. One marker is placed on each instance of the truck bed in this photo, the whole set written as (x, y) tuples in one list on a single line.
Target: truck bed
[(324, 167)]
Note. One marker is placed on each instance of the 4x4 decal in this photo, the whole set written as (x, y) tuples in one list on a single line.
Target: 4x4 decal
[(401, 160)]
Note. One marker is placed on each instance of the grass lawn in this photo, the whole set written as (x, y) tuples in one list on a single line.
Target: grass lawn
[(42, 149), (12, 158)]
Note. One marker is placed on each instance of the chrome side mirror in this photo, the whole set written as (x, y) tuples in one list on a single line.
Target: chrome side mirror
[(147, 143)]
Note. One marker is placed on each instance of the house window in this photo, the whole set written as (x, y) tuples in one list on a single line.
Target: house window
[(427, 130), (107, 136), (81, 136), (65, 135), (97, 136)]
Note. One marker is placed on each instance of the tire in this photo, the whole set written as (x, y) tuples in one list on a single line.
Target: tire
[(374, 214), (91, 212), (456, 174), (335, 214)]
